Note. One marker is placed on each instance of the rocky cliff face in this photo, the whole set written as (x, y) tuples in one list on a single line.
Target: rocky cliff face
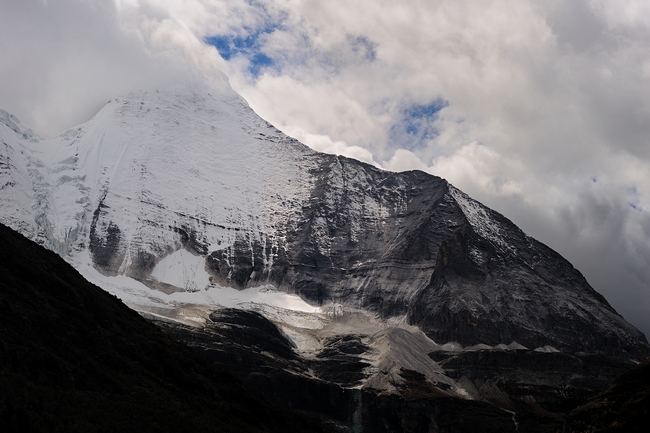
[(492, 284)]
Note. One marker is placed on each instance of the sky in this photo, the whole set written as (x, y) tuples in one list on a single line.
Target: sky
[(539, 109)]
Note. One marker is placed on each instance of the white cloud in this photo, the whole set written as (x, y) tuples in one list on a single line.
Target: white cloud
[(62, 60), (404, 160), (324, 143), (480, 169)]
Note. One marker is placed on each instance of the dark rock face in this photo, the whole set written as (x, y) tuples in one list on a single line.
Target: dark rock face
[(105, 245), (254, 350), (483, 291), (343, 251), (417, 414), (474, 279), (239, 341), (551, 382), (253, 331), (511, 390), (355, 241), (339, 360)]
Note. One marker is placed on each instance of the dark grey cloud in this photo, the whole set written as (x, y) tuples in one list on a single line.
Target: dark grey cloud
[(576, 25)]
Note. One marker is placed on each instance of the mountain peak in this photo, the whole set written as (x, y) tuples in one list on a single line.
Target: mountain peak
[(191, 175)]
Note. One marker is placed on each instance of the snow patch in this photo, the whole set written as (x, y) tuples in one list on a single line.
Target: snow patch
[(546, 349), (482, 223), (184, 270), (451, 346), (218, 296), (516, 346), (478, 347), (140, 297)]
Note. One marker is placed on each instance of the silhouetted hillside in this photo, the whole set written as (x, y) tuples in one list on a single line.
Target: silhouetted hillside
[(75, 359), (623, 408)]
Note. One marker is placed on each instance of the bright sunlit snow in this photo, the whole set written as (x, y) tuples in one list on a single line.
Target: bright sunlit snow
[(183, 269)]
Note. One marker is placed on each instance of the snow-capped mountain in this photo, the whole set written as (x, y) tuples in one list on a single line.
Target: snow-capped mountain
[(182, 201), (183, 188)]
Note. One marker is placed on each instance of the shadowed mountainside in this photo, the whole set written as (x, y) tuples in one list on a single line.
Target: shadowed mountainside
[(624, 407), (75, 358)]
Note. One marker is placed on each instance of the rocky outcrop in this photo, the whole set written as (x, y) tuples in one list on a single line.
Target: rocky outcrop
[(517, 289), (505, 390), (551, 382)]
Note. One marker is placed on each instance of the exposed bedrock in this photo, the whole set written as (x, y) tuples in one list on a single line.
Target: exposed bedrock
[(537, 387), (479, 295), (552, 382), (365, 237)]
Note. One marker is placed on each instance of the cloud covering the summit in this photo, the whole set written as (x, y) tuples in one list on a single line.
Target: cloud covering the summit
[(539, 109)]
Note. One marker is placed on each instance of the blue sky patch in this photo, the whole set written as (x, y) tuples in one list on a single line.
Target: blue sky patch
[(416, 125), (429, 110), (249, 46), (635, 199), (363, 47)]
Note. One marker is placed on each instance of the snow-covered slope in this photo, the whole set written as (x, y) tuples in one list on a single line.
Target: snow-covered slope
[(20, 175), (156, 160), (184, 200)]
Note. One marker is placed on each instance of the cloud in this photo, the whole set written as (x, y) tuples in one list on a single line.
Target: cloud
[(63, 60), (404, 160), (56, 53), (324, 143), (539, 109)]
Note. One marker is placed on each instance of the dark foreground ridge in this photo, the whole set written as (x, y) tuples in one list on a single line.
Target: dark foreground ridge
[(74, 358), (623, 408), (516, 391)]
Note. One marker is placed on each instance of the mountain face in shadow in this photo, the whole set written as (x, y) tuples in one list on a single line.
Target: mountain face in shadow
[(623, 408), (74, 358), (511, 390)]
